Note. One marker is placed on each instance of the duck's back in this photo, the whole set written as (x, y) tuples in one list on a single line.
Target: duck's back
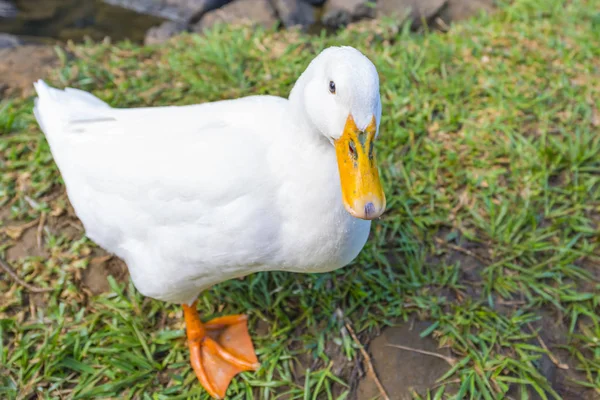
[(168, 188)]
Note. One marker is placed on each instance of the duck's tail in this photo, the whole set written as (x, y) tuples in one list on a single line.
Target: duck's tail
[(58, 111)]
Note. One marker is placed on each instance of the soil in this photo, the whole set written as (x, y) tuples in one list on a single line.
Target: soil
[(95, 277), (400, 371), (21, 66), (349, 371), (26, 246), (562, 371)]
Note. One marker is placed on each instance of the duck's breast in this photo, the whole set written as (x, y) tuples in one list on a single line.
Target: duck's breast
[(317, 233)]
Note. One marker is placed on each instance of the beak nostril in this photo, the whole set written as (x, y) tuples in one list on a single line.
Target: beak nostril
[(369, 209), (352, 149)]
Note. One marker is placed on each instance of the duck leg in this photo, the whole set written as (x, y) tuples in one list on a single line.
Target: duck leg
[(219, 349)]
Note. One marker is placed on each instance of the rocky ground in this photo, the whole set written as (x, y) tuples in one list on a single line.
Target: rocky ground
[(22, 62), (305, 14)]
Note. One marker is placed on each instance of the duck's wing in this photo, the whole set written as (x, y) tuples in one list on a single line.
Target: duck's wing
[(74, 111), (128, 171)]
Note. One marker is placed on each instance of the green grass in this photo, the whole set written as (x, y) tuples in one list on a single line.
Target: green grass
[(490, 156)]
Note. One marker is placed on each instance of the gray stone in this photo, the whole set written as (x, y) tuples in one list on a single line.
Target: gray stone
[(259, 12), (415, 11), (7, 9), (294, 12), (163, 32), (8, 41), (432, 11), (342, 12), (457, 10), (174, 10), (401, 371)]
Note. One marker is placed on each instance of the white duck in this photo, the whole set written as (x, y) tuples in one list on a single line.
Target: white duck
[(190, 196)]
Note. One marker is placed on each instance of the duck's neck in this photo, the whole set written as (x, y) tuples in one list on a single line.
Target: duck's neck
[(298, 109)]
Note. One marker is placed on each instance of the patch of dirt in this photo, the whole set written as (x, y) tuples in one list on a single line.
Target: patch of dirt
[(594, 216), (554, 333), (102, 265), (400, 371), (348, 371), (471, 257), (26, 246), (21, 66), (24, 243), (4, 214), (95, 276), (262, 328), (559, 179), (470, 261)]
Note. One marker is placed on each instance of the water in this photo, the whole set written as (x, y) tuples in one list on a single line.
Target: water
[(62, 20)]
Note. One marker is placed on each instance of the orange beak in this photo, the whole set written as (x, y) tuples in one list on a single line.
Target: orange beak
[(362, 192)]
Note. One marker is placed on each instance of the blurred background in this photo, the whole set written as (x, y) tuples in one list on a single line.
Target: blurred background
[(27, 23)]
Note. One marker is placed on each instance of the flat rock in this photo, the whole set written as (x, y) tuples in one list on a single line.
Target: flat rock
[(7, 9), (163, 32), (342, 12), (413, 10), (174, 10), (417, 11), (259, 12), (295, 12), (457, 10), (401, 371), (553, 331), (8, 41)]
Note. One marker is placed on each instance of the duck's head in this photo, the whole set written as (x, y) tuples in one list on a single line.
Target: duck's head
[(339, 93)]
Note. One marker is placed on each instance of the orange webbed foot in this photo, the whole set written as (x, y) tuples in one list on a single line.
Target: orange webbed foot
[(219, 349)]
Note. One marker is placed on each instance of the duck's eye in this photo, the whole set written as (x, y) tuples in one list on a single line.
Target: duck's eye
[(332, 87)]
